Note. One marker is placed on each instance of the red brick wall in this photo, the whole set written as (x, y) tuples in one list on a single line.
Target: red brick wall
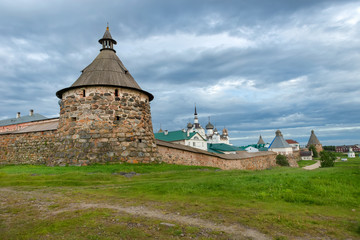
[(19, 126)]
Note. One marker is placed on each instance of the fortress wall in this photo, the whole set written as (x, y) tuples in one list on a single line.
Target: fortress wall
[(39, 148), (184, 155), (27, 148)]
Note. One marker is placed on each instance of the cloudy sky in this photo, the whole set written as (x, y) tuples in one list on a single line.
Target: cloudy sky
[(252, 66)]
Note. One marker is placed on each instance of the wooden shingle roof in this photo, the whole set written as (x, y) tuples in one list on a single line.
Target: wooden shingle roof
[(261, 141), (106, 70), (313, 140)]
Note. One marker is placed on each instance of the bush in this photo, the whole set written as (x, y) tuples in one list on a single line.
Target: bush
[(282, 160), (327, 159), (313, 149)]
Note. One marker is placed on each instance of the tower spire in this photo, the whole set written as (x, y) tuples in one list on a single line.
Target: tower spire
[(196, 120)]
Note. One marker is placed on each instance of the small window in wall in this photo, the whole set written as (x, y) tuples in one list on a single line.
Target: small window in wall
[(73, 119), (140, 140), (116, 92), (117, 118), (84, 93), (193, 144)]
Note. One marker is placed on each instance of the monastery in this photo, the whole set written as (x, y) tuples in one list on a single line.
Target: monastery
[(105, 117)]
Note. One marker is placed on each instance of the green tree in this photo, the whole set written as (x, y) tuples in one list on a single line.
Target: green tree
[(313, 149), (282, 160), (327, 159), (329, 148)]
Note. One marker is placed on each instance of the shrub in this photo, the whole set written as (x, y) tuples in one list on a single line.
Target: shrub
[(313, 149), (327, 159), (282, 160)]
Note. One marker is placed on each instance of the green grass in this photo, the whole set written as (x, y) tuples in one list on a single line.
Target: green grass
[(281, 202)]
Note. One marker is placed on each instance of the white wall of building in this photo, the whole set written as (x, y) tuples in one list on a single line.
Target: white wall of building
[(283, 151)]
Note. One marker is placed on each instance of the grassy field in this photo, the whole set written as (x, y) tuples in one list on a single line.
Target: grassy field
[(143, 201)]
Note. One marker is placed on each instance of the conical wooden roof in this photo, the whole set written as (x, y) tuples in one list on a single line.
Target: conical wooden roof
[(313, 140), (261, 141), (106, 70)]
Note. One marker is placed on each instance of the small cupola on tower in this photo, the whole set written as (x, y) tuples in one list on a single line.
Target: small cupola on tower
[(107, 41)]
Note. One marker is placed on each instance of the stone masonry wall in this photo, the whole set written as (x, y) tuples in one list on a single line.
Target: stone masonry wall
[(29, 148), (293, 159), (181, 155), (101, 127), (39, 148)]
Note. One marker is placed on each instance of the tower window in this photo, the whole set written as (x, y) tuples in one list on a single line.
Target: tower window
[(84, 93), (116, 92)]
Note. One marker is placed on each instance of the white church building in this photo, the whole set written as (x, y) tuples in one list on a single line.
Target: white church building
[(195, 135)]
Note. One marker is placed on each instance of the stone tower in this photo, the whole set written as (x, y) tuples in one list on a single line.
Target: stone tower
[(105, 115)]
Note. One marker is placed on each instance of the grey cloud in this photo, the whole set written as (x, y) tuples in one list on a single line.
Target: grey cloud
[(291, 39)]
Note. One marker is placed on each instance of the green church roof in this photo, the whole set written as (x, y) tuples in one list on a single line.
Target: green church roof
[(222, 147), (174, 136)]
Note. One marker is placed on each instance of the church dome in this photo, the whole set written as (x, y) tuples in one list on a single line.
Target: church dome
[(209, 126), (225, 132), (189, 125)]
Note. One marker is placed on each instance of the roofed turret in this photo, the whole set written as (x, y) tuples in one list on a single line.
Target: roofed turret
[(261, 141), (279, 141), (106, 70), (313, 140)]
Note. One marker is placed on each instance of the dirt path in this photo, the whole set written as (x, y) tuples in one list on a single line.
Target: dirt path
[(237, 231), (313, 166)]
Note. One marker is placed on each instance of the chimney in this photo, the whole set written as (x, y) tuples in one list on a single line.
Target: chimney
[(166, 132), (18, 115), (31, 112)]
